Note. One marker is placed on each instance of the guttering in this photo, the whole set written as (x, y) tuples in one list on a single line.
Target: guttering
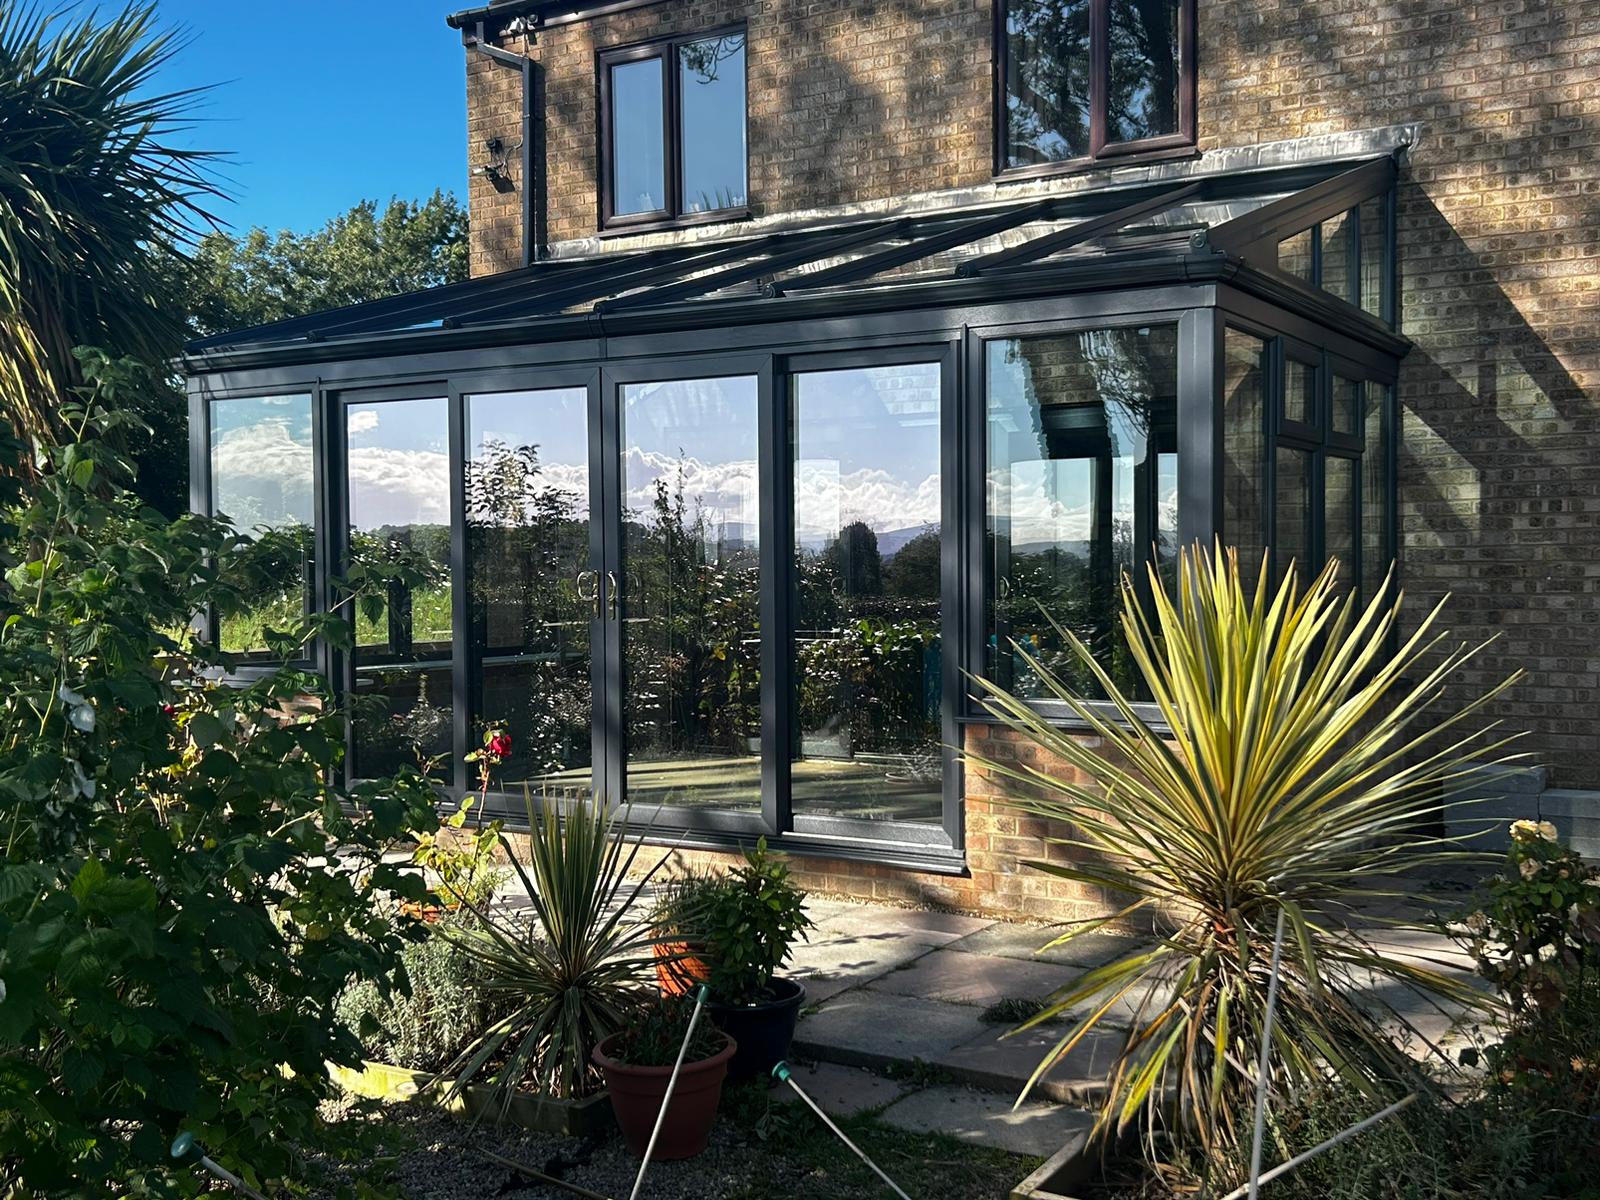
[(476, 40), (544, 13)]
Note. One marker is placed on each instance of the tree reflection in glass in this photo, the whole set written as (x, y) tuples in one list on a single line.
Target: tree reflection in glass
[(691, 593), (867, 519), (1082, 489), (528, 570)]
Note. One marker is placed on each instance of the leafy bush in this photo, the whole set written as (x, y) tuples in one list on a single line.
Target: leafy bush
[(183, 892), (577, 972), (444, 1008), (1294, 775), (743, 925)]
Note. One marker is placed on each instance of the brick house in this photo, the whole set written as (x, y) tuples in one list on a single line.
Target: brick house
[(812, 346)]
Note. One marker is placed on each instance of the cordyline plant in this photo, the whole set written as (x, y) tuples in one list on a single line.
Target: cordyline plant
[(1301, 760)]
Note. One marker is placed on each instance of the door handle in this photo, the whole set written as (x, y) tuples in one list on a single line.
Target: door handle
[(612, 587), (588, 588)]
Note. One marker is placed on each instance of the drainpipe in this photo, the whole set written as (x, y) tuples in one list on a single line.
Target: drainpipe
[(531, 249)]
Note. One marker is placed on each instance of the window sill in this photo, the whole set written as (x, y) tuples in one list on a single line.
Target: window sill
[(722, 216), (1085, 166)]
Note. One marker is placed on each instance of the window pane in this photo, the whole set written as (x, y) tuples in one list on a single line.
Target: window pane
[(1339, 501), (261, 478), (1244, 401), (1292, 545), (1047, 81), (1336, 253), (1346, 405), (1299, 392), (1294, 255), (711, 81), (399, 487), (527, 524), (1376, 551), (637, 125), (1374, 258), (867, 652), (691, 705), (1076, 427), (1143, 98)]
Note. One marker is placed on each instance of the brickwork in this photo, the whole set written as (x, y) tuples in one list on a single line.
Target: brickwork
[(854, 100)]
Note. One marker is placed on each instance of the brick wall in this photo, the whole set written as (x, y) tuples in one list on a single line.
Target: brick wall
[(1500, 232)]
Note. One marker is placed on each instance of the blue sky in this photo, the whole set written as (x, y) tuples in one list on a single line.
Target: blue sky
[(324, 104)]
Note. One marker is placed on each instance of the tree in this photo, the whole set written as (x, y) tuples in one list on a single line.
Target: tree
[(361, 255), (96, 206), (854, 557)]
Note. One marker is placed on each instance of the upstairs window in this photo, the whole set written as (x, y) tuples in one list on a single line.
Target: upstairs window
[(673, 131), (1080, 80)]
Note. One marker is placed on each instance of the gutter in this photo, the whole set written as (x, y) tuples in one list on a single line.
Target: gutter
[(475, 40)]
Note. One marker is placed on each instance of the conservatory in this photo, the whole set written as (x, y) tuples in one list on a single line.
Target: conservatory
[(724, 528)]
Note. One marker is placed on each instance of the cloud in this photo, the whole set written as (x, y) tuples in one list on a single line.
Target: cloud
[(362, 420), (262, 476), (398, 487)]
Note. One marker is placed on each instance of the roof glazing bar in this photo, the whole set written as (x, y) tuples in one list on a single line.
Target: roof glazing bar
[(921, 247), (1254, 237), (1073, 235)]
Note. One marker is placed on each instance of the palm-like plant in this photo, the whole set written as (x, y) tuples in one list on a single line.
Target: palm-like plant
[(578, 971), (94, 199), (1302, 757)]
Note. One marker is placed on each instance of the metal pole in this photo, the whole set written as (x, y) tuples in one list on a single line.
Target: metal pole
[(1307, 1156), (183, 1146), (782, 1072), (1261, 1067), (666, 1099)]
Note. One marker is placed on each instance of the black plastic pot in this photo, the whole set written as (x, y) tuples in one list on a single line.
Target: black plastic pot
[(763, 1031)]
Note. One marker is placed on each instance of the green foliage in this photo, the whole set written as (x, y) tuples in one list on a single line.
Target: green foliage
[(462, 860), (445, 1006), (364, 254), (743, 925), (1539, 925), (578, 971), (183, 892), (1294, 776), (653, 1038)]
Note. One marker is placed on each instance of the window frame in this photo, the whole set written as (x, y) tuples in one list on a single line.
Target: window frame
[(1181, 144), (672, 214)]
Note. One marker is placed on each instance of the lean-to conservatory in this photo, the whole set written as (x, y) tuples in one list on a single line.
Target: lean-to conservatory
[(716, 526)]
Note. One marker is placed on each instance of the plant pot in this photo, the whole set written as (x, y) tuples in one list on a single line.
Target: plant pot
[(589, 1116), (636, 1094), (764, 1031), (678, 971)]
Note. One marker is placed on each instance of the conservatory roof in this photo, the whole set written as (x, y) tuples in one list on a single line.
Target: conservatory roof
[(1210, 227)]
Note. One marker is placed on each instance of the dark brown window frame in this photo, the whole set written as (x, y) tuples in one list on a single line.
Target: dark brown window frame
[(1181, 144), (672, 216)]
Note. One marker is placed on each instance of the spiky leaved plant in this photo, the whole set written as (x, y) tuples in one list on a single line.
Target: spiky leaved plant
[(575, 973), (1302, 758)]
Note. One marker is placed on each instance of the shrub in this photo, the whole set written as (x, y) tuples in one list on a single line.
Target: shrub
[(1292, 779), (183, 892), (743, 925)]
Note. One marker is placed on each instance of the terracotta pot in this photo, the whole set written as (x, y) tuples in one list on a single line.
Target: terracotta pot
[(636, 1094), (678, 971)]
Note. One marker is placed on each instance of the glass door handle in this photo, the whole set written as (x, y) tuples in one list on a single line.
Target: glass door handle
[(588, 588), (612, 587)]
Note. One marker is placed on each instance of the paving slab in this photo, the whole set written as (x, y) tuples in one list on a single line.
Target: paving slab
[(1005, 940), (877, 922), (833, 960), (1004, 1064), (984, 1119), (840, 1091), (976, 979), (871, 1029)]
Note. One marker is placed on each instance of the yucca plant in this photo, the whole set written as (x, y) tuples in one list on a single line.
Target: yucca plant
[(1302, 759), (575, 973)]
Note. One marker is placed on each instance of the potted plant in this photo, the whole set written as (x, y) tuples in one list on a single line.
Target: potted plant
[(637, 1064), (744, 925)]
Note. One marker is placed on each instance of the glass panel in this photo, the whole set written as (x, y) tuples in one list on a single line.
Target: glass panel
[(1047, 81), (691, 704), (1075, 427), (1292, 544), (638, 176), (1346, 405), (1294, 255), (867, 552), (1374, 256), (527, 524), (1299, 392), (1244, 401), (1142, 101), (1375, 548), (711, 83), (261, 478), (1167, 521), (1339, 503), (397, 458), (1336, 254)]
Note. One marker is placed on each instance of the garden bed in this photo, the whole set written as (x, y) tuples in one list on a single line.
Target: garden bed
[(588, 1117)]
